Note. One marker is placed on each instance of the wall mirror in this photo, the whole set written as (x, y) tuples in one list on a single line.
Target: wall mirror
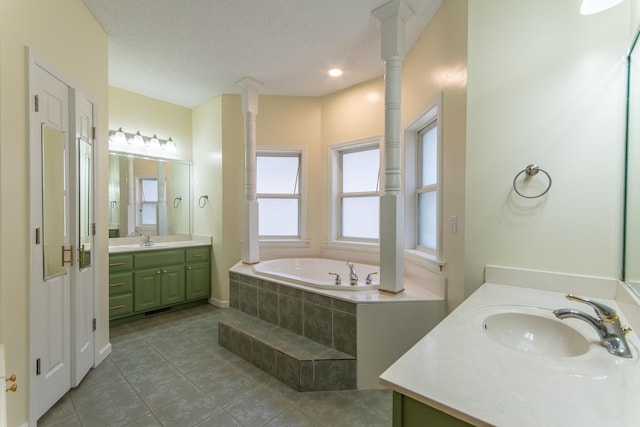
[(53, 202), (85, 199), (631, 266), (149, 196)]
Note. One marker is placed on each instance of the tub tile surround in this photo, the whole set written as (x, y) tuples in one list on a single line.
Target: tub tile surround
[(363, 325), (301, 312), (457, 369)]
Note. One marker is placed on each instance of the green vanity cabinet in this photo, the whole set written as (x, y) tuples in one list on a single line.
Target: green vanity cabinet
[(198, 270), (158, 278), (145, 281), (408, 412), (120, 285)]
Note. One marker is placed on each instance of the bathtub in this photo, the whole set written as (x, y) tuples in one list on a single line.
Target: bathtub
[(314, 272)]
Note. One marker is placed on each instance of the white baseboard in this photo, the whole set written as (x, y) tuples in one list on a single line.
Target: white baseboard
[(103, 354), (219, 303)]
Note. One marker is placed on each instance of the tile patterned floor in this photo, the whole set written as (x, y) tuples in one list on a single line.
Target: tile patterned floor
[(168, 370)]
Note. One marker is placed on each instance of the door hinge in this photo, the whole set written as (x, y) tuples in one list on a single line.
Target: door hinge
[(94, 324), (38, 366), (37, 104), (93, 133), (93, 228)]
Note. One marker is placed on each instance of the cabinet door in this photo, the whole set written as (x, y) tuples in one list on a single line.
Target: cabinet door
[(198, 280), (173, 284), (148, 288)]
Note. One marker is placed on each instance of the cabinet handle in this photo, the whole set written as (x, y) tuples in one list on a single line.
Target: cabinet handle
[(197, 255), (115, 307), (116, 264), (158, 272), (188, 267), (164, 271), (112, 285)]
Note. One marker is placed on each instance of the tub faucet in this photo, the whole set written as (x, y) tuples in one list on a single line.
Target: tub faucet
[(606, 323), (353, 277)]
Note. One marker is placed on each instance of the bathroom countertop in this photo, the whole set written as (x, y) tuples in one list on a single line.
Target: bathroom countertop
[(459, 370), (137, 246)]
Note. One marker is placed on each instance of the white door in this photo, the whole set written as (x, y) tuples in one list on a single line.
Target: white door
[(82, 232), (50, 255)]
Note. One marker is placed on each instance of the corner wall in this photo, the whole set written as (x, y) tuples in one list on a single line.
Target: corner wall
[(554, 98)]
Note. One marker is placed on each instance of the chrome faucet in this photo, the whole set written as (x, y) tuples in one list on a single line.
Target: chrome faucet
[(606, 324), (353, 277), (147, 240)]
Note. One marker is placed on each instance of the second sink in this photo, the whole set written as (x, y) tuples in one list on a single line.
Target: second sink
[(534, 334)]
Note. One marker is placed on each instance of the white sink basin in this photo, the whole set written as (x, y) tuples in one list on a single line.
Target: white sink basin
[(535, 334)]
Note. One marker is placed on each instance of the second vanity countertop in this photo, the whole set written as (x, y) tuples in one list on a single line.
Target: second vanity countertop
[(459, 370)]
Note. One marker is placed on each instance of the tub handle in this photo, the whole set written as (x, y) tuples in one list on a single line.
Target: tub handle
[(338, 278), (369, 279)]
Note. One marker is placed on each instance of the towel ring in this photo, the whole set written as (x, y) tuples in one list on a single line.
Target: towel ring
[(203, 201), (532, 170)]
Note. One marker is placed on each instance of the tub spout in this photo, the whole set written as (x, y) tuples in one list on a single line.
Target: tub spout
[(353, 277)]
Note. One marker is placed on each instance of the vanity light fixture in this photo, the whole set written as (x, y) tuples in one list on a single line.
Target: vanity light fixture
[(589, 7), (154, 142), (137, 140), (136, 143), (335, 72)]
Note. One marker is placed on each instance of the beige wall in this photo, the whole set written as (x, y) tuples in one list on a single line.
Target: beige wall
[(554, 98), (65, 35), (134, 112)]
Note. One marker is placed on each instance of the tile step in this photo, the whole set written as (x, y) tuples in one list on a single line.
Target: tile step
[(299, 362)]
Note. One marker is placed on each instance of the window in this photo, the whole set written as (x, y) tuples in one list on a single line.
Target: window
[(148, 200), (427, 191), (423, 183), (358, 193), (278, 194)]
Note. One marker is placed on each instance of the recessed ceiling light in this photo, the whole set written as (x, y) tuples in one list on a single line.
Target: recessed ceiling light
[(335, 72)]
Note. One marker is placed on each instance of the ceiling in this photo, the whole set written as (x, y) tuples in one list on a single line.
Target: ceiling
[(188, 51)]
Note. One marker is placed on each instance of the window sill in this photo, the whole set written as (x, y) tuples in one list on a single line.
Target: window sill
[(353, 246), (285, 243), (424, 260)]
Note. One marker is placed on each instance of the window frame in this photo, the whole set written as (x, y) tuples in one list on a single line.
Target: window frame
[(141, 202), (278, 152), (429, 118), (339, 196)]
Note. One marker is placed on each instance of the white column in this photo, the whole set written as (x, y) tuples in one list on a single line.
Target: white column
[(393, 17), (162, 220), (132, 211), (250, 243)]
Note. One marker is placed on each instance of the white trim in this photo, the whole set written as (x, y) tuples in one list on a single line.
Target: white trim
[(285, 243), (219, 303), (373, 248), (102, 354), (424, 260), (432, 111), (334, 174), (302, 185)]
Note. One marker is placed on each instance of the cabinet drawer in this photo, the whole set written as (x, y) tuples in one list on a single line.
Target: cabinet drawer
[(120, 262), (120, 305), (153, 259), (120, 283), (197, 254)]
